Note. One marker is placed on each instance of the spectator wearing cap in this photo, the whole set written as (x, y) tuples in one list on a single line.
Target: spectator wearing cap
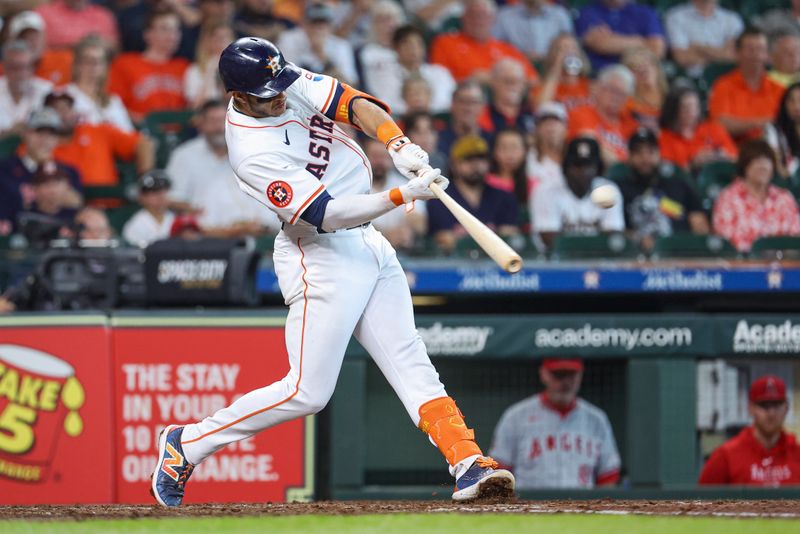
[(185, 227), (469, 165), (152, 80), (472, 51), (53, 65), (89, 87), (745, 100), (508, 105), (701, 32), (203, 182), (40, 139), (607, 117), (547, 149), (752, 207), (400, 227), (556, 439), (687, 139), (20, 91), (468, 102), (69, 21), (658, 199), (762, 454), (313, 45), (93, 148), (49, 215), (154, 220), (608, 28), (531, 26), (567, 208)]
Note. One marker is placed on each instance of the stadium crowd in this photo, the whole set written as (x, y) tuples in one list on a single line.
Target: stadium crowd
[(690, 109)]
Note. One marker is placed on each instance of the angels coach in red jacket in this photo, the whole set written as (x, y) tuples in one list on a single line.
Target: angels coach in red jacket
[(762, 454)]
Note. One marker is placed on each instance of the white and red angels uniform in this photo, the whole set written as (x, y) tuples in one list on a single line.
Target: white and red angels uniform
[(336, 284), (552, 448)]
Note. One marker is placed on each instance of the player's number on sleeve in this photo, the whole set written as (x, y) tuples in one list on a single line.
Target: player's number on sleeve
[(16, 429)]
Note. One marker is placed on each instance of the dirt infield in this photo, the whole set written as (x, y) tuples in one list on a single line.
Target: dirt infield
[(742, 509)]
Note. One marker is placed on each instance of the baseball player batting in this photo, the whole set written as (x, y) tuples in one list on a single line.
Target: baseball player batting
[(338, 275)]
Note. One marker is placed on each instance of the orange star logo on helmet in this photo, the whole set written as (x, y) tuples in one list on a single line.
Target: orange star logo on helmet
[(274, 65)]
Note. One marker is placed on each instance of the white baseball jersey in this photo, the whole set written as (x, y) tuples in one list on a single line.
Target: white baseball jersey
[(551, 449), (337, 284), (555, 208), (308, 152)]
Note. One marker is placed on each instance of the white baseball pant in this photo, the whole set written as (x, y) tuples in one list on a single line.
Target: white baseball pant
[(336, 284)]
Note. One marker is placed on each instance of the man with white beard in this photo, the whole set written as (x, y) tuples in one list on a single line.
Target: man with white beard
[(203, 182)]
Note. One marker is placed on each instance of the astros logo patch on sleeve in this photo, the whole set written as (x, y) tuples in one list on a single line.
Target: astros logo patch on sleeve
[(279, 193)]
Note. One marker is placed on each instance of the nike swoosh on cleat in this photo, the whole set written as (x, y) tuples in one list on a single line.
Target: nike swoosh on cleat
[(287, 137)]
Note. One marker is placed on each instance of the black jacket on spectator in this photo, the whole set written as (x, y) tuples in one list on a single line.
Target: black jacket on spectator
[(658, 206), (10, 206), (16, 175)]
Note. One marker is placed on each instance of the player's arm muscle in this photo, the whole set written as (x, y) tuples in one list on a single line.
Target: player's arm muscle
[(368, 116)]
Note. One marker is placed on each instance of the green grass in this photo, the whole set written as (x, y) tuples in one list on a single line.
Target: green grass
[(414, 523)]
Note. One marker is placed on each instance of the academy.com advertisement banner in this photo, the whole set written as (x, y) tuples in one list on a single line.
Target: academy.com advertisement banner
[(179, 375), (607, 336), (56, 414)]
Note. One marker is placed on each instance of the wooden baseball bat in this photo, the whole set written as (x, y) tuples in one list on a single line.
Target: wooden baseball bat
[(490, 242)]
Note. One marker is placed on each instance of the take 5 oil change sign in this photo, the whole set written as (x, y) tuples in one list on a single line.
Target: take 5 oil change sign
[(178, 375), (55, 416)]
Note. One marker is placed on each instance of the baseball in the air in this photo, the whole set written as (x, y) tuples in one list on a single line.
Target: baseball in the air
[(604, 196)]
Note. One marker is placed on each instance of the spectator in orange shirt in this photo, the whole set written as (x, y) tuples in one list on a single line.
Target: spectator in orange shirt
[(607, 119), (687, 140), (69, 21), (566, 74), (745, 100), (473, 50), (507, 107), (651, 86), (152, 80), (93, 148), (54, 66)]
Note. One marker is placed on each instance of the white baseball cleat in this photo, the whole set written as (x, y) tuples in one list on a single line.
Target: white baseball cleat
[(482, 480)]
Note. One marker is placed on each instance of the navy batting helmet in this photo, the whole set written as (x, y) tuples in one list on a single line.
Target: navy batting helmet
[(255, 66)]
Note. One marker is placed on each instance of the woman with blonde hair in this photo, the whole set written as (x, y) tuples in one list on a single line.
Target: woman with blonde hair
[(89, 87), (566, 74), (201, 82), (651, 86)]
